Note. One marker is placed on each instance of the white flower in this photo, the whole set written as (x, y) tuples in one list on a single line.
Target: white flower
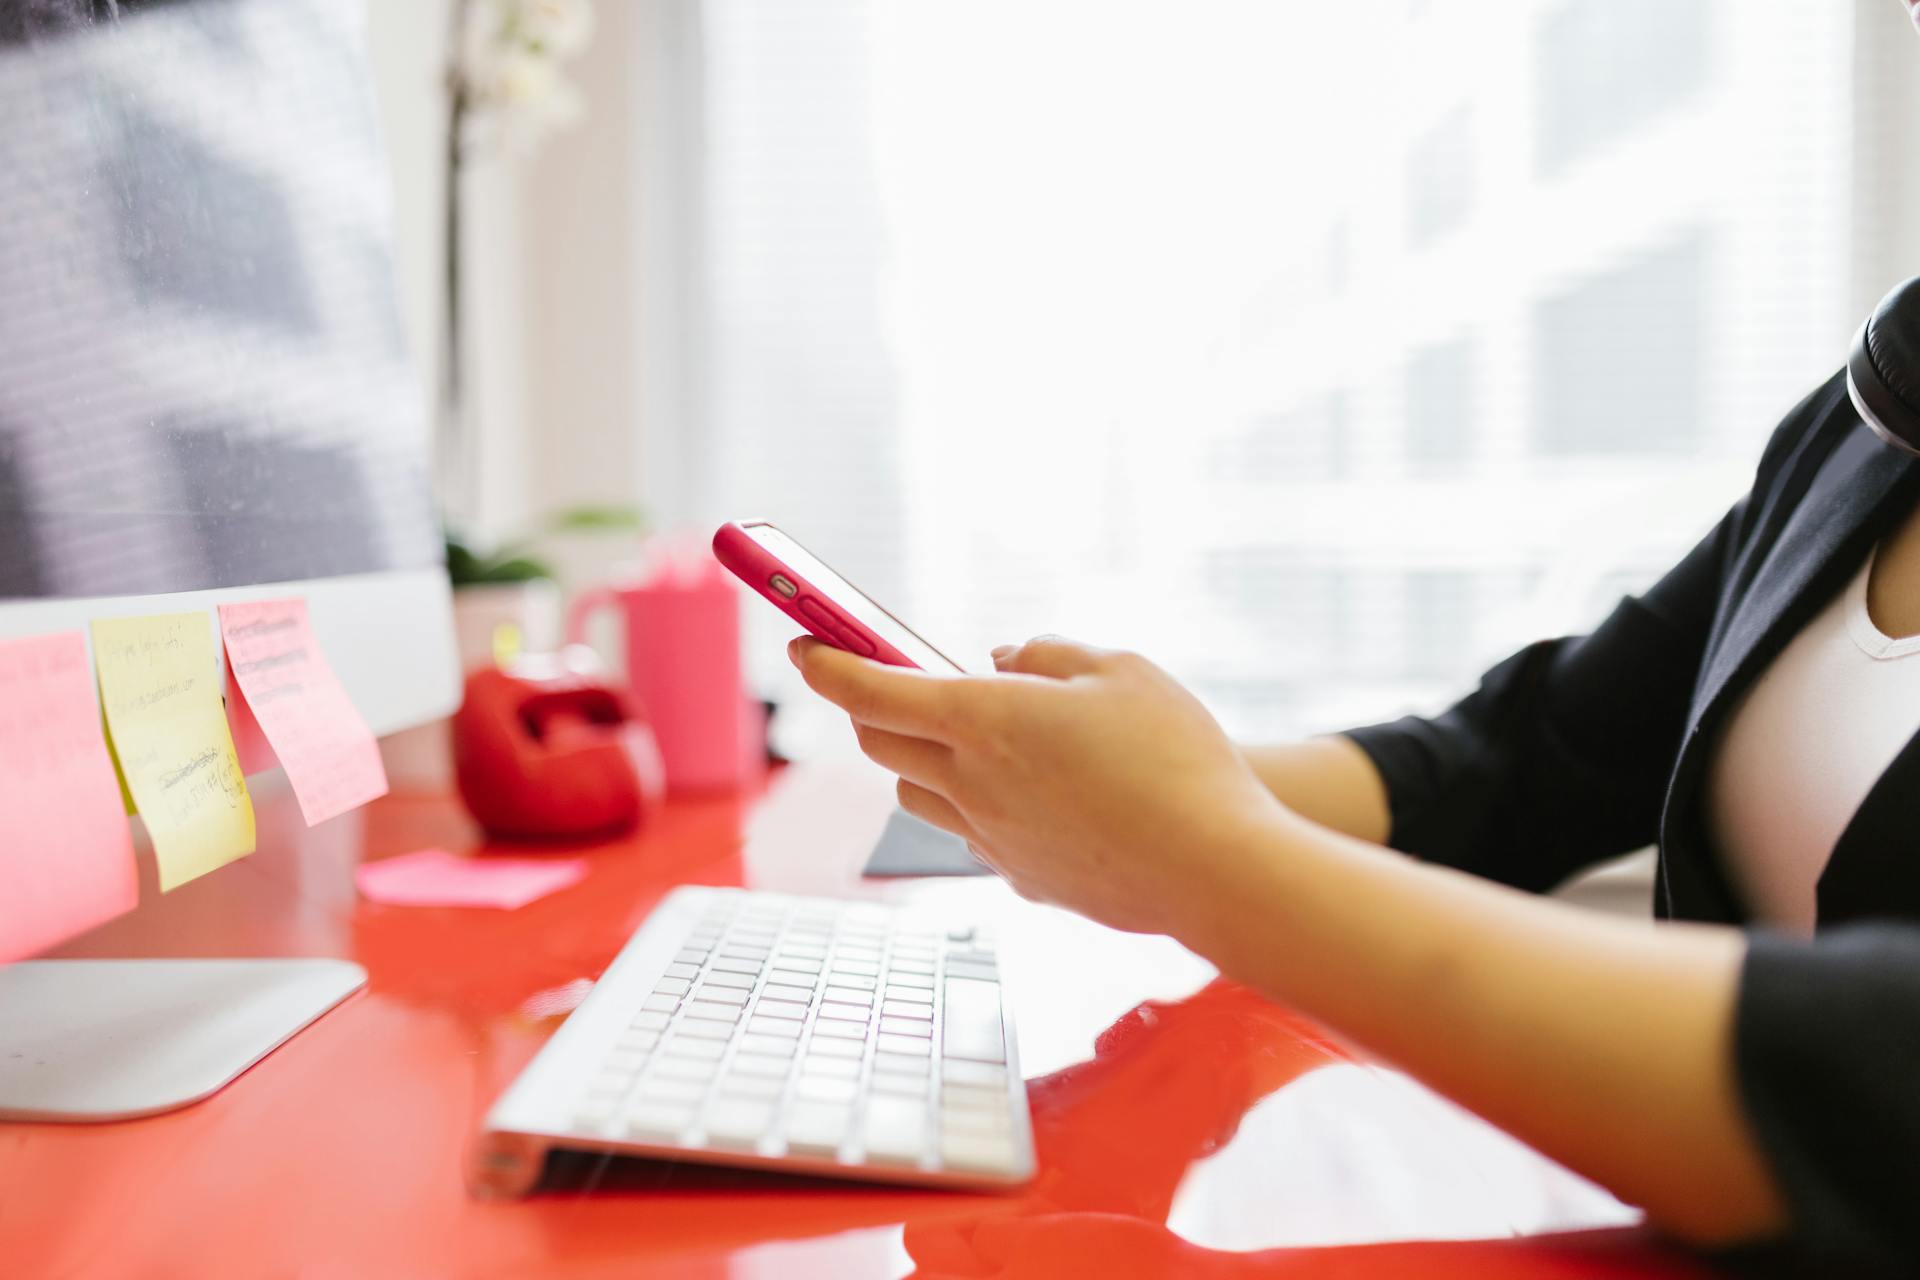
[(508, 65)]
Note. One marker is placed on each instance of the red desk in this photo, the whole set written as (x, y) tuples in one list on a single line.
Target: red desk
[(1184, 1127)]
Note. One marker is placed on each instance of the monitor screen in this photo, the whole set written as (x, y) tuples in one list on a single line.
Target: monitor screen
[(203, 380)]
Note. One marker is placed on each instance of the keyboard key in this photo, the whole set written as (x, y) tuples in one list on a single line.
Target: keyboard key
[(663, 1122), (865, 968), (672, 987), (892, 1082), (695, 956), (840, 1068), (909, 1064), (974, 1097), (754, 1064), (972, 1024), (847, 995), (984, 972), (810, 949), (715, 1009), (682, 971), (743, 981), (896, 1129), (730, 964), (897, 979), (660, 1004), (912, 995), (869, 955), (753, 1086), (657, 1088), (903, 1044), (826, 1089), (906, 1009), (817, 1128), (706, 1028), (782, 991), (773, 1026), (742, 951), (842, 1030), (648, 1020), (780, 1009), (832, 1048), (910, 964), (975, 1122), (906, 1026), (772, 1046), (737, 1121), (725, 995), (848, 1012), (982, 1074), (614, 1087), (681, 1069), (694, 1047), (978, 1153), (855, 981)]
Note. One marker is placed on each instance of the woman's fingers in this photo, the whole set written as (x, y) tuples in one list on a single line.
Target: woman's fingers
[(915, 759), (899, 699), (1053, 656), (934, 809)]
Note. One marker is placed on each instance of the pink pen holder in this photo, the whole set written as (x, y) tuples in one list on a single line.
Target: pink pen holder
[(682, 641)]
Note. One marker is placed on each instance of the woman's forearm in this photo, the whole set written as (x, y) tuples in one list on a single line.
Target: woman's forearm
[(1326, 780), (1604, 1043)]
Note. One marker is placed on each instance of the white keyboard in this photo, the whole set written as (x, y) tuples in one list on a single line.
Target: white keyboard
[(802, 1034)]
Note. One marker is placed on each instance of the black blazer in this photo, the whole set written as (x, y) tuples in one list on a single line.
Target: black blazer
[(1577, 749)]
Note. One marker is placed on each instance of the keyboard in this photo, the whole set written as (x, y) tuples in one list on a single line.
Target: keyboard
[(808, 1035)]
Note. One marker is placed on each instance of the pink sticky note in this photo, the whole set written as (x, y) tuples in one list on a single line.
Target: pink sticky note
[(329, 754), (66, 857), (436, 878)]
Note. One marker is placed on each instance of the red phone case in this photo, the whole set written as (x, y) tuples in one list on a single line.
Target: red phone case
[(811, 607)]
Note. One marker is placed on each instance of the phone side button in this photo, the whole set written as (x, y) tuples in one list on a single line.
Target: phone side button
[(818, 616), (854, 642)]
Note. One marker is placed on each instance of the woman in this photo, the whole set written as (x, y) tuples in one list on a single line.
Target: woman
[(1744, 1076)]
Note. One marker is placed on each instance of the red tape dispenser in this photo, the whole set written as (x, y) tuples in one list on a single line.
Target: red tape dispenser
[(550, 749)]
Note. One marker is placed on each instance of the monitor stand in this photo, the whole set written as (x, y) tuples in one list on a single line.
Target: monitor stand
[(92, 1040)]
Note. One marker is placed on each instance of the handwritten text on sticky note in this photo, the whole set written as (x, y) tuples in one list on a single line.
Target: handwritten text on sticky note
[(329, 754), (66, 858), (160, 689)]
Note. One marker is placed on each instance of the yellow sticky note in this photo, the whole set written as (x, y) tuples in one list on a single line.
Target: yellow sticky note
[(167, 729)]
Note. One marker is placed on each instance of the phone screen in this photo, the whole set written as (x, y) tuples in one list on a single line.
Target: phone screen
[(850, 598)]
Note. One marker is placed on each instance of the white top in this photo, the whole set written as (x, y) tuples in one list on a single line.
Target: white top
[(1803, 748)]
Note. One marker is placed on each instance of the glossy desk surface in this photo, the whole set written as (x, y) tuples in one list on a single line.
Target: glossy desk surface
[(1184, 1126)]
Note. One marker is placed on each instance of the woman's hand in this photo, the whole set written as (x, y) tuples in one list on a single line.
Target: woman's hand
[(1086, 777)]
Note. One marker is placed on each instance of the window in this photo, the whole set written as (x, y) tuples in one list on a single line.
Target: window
[(1620, 357), (1440, 409), (1309, 350), (1607, 71), (1440, 178)]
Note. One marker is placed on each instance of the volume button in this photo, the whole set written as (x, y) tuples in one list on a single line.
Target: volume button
[(816, 613)]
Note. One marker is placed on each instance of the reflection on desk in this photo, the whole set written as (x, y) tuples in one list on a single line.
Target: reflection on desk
[(1185, 1126)]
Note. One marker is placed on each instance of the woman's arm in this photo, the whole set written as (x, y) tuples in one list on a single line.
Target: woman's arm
[(1330, 781), (1093, 780), (1605, 1043)]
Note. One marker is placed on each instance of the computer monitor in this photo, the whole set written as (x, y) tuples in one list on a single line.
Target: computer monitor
[(204, 390)]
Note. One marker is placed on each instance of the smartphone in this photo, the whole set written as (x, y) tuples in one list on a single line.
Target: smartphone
[(801, 586)]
